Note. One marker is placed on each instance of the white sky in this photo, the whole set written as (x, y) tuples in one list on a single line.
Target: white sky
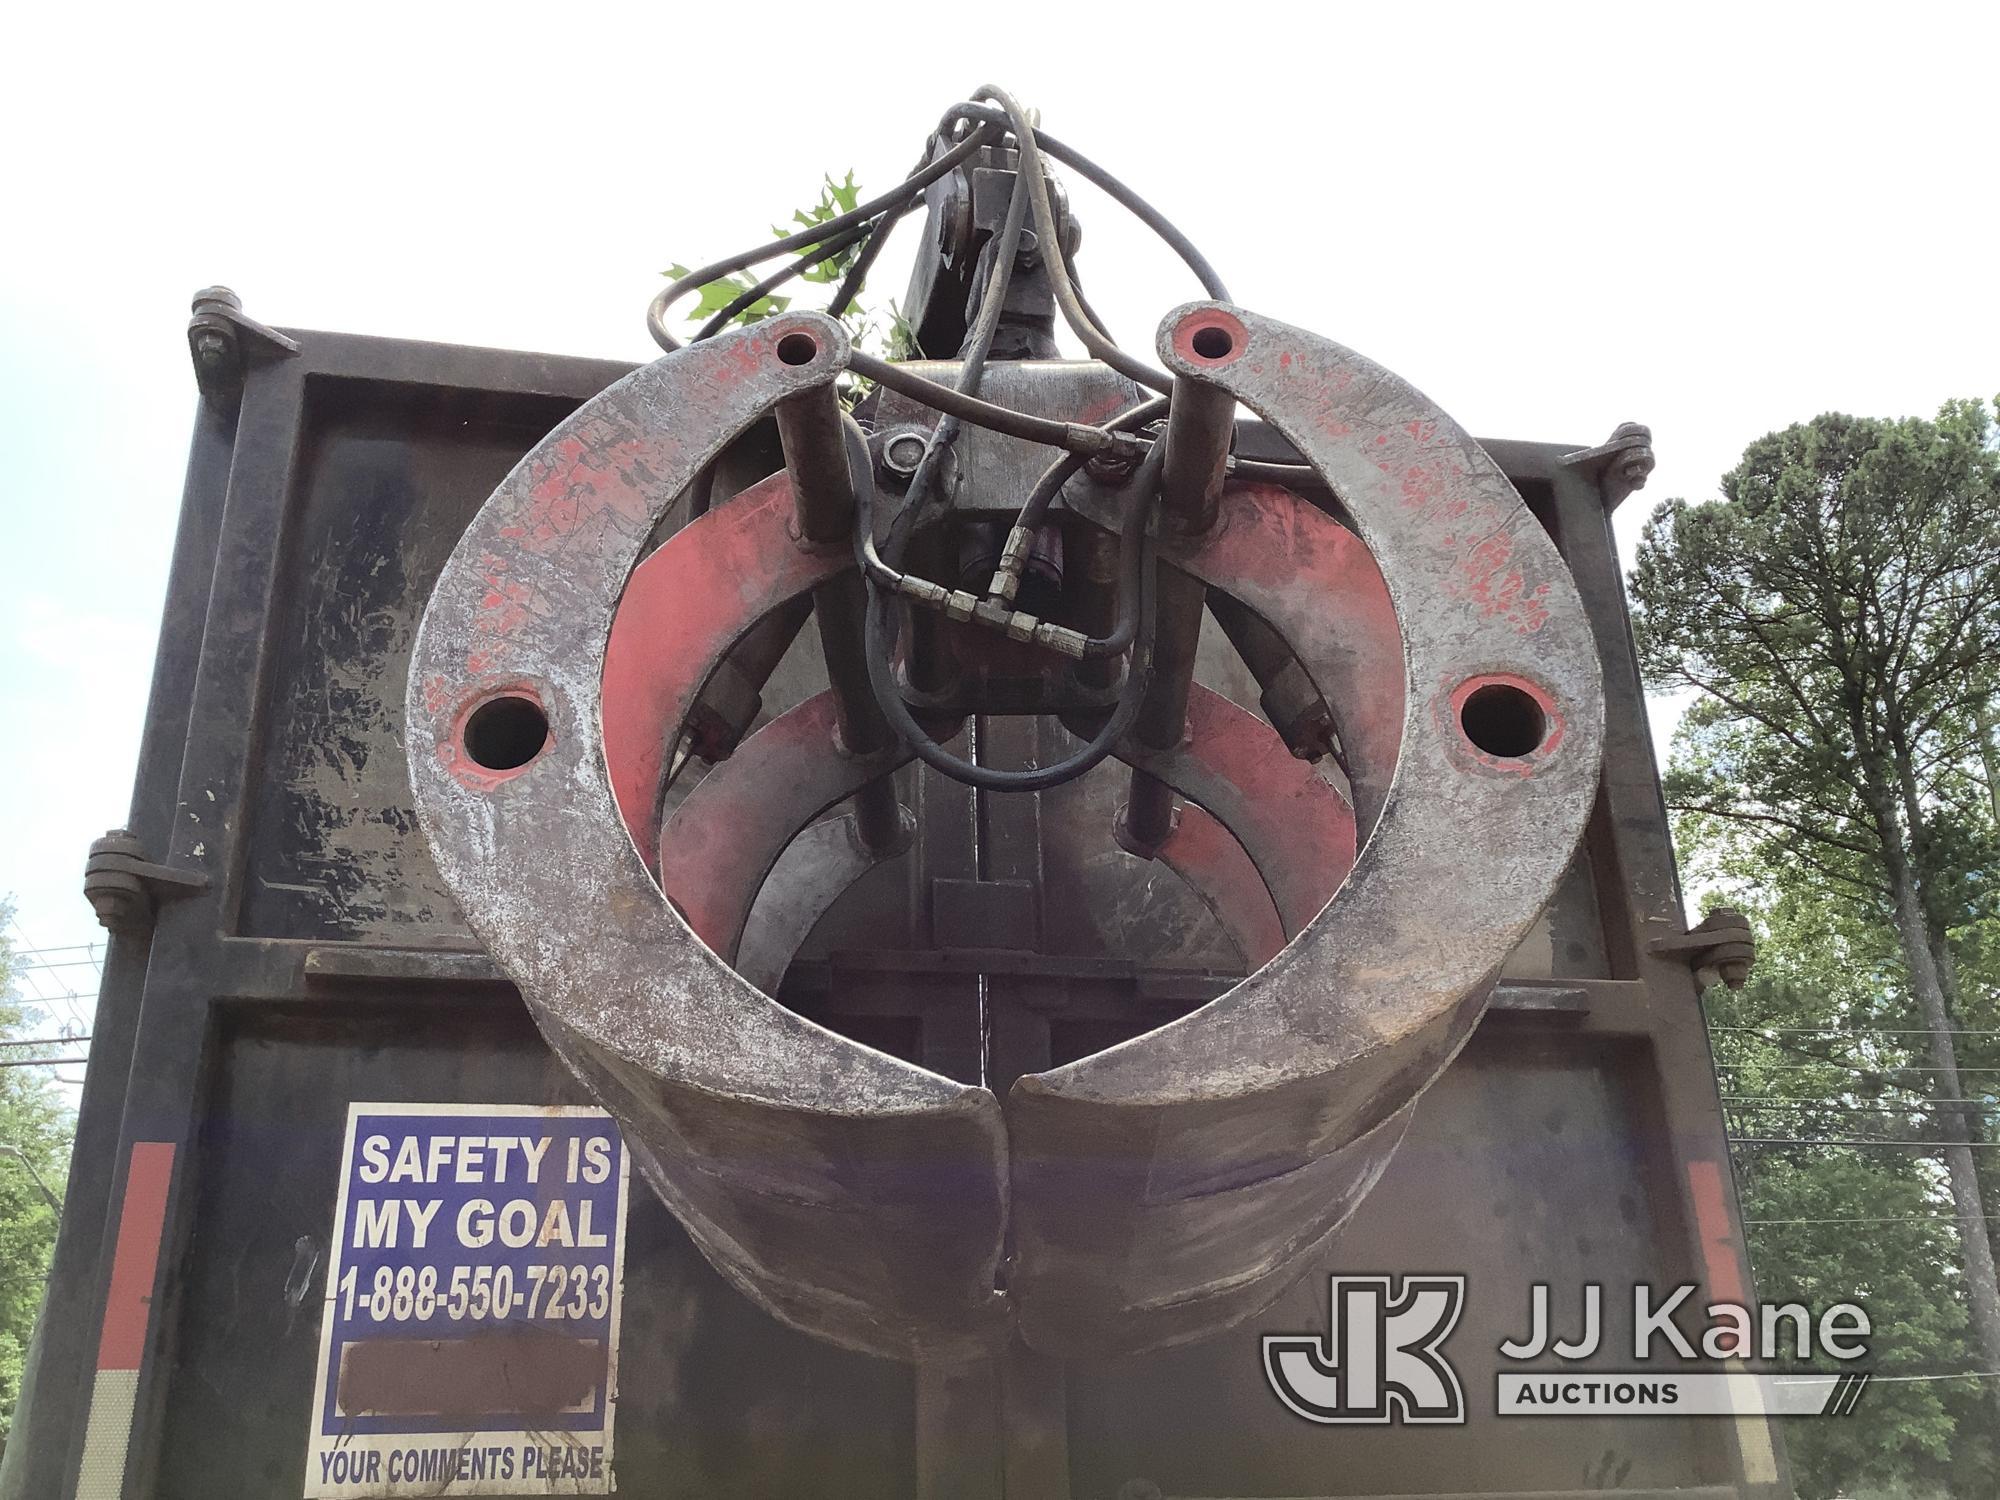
[(1550, 218)]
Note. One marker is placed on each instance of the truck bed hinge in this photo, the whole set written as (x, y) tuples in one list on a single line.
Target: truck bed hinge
[(1719, 948), (1621, 463), (224, 340), (125, 888)]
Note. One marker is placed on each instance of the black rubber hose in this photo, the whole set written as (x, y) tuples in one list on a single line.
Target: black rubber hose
[(879, 648), (878, 641), (873, 221), (879, 632), (1002, 419), (878, 241), (883, 572), (1132, 561), (1148, 215), (879, 644), (1030, 170), (908, 188), (972, 371), (777, 279), (1058, 474)]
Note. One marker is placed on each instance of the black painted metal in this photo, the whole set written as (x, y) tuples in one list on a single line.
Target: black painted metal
[(324, 964)]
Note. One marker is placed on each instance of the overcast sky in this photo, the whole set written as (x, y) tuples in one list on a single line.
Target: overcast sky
[(1551, 219)]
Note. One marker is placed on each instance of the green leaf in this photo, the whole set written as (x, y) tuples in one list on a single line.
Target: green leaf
[(835, 198)]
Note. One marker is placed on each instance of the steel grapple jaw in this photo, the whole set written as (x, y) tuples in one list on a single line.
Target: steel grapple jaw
[(1143, 1195)]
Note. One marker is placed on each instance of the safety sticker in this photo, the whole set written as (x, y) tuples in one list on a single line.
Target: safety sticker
[(470, 1339)]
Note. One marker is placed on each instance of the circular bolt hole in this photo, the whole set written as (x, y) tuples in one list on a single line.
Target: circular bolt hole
[(1503, 720), (798, 348), (506, 733), (1212, 343)]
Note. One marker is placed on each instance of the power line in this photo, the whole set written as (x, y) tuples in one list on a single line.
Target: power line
[(31, 949), (1738, 1067), (63, 1002), (43, 1062), (1859, 1031), (1787, 1140), (68, 1016), (1787, 1101), (89, 950), (1894, 1219), (1880, 1379), (43, 1041), (67, 997)]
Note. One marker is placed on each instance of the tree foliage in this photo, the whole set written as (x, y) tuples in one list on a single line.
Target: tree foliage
[(36, 1123), (718, 296), (1809, 1052), (1837, 612)]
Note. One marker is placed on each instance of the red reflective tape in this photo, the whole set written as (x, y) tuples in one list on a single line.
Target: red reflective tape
[(1718, 1243), (128, 1307)]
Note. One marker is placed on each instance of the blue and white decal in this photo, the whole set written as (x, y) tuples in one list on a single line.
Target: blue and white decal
[(470, 1338)]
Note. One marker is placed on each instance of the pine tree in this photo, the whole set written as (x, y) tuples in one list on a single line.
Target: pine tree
[(1838, 612)]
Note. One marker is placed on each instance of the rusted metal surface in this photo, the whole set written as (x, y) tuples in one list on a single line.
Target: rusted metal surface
[(721, 842), (1206, 855), (1295, 829), (815, 870), (983, 471), (1285, 693), (1168, 1187), (850, 1194), (811, 431), (326, 962), (1338, 610), (1162, 719), (734, 696), (1200, 426), (715, 579)]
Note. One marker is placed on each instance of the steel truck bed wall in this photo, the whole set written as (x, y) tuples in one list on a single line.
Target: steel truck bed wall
[(1578, 1138)]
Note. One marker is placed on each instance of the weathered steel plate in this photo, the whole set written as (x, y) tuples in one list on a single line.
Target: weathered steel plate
[(1169, 1186), (856, 1196)]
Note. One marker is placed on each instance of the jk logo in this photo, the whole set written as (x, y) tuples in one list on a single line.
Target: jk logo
[(1379, 1361)]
